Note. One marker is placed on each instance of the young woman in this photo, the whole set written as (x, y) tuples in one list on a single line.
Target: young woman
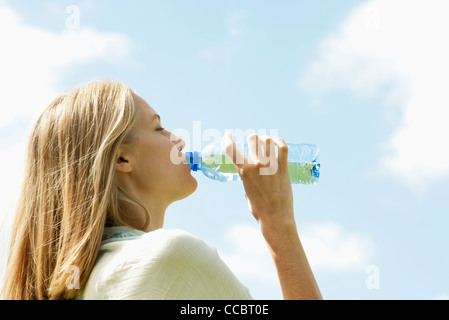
[(98, 180)]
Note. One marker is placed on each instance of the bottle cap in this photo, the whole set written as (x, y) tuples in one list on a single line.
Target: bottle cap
[(193, 159)]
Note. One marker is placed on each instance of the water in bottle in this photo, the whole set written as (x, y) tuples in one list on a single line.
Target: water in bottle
[(303, 163)]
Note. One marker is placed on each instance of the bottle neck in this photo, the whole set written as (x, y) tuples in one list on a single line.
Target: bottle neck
[(194, 160)]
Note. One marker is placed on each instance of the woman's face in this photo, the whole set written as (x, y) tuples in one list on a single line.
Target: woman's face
[(154, 176)]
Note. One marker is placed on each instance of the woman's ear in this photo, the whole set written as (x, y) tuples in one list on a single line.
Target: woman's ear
[(122, 164)]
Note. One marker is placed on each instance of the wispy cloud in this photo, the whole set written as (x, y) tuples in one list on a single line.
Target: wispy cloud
[(226, 48), (249, 257), (31, 62), (31, 59), (327, 246), (400, 45)]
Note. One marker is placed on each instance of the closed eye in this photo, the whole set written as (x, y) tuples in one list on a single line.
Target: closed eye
[(160, 129)]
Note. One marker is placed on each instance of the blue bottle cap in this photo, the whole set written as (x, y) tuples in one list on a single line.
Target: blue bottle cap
[(194, 160)]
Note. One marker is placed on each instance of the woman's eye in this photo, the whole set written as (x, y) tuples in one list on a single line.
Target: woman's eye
[(160, 129)]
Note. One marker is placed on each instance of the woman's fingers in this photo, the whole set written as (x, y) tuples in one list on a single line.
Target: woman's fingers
[(268, 148), (269, 161), (232, 152), (253, 149), (282, 152), (260, 151)]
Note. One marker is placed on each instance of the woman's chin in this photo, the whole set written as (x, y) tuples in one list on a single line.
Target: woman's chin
[(194, 185), (188, 188)]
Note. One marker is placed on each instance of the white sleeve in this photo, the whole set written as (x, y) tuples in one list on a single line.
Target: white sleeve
[(190, 269)]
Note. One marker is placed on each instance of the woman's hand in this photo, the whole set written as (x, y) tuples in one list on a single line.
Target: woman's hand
[(265, 177), (270, 199)]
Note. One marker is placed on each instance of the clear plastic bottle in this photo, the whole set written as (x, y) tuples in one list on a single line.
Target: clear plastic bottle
[(303, 163)]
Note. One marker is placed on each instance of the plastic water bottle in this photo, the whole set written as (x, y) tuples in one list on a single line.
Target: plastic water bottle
[(303, 163)]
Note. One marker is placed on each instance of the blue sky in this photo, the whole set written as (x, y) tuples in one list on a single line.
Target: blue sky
[(364, 80)]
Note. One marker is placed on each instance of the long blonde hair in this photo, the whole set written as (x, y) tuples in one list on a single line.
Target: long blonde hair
[(70, 192)]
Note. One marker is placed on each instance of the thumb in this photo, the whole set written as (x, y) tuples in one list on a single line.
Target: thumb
[(249, 204)]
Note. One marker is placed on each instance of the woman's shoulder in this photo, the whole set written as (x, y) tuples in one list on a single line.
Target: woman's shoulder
[(161, 246), (177, 241), (172, 237), (166, 263), (159, 241)]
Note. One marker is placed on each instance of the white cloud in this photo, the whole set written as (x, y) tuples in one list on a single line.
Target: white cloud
[(249, 258), (327, 246), (31, 58), (401, 44), (31, 61)]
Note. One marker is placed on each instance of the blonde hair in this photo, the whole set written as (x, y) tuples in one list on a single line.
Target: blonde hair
[(70, 192)]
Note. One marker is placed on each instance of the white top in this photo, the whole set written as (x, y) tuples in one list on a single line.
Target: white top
[(162, 264)]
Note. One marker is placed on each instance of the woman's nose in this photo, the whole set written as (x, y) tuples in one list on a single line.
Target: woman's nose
[(178, 141), (181, 144)]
